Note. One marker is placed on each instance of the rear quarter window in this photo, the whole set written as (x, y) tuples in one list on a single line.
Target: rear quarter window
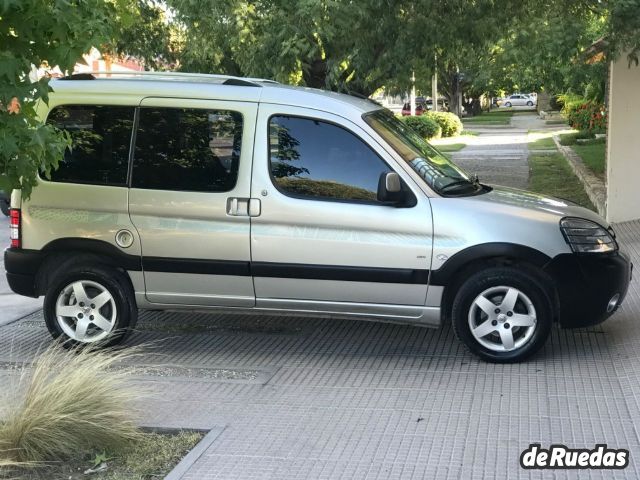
[(101, 136)]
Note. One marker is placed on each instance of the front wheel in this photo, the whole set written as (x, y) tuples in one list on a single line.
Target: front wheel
[(502, 314), (508, 104), (530, 103), (90, 305)]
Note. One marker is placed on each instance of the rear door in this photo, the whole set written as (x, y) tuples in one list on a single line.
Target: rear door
[(190, 184)]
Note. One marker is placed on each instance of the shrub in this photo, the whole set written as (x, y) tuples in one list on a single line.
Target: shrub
[(584, 114), (70, 400), (424, 126), (449, 123)]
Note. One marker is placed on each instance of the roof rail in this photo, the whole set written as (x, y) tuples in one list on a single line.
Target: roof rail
[(225, 79)]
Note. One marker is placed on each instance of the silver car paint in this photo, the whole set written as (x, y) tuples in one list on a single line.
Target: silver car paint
[(287, 230), (195, 225), (304, 231)]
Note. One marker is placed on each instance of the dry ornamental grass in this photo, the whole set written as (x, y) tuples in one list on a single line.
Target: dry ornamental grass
[(68, 401)]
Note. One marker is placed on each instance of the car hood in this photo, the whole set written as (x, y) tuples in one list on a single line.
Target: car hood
[(543, 204)]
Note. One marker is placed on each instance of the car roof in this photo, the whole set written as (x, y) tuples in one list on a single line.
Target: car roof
[(203, 86)]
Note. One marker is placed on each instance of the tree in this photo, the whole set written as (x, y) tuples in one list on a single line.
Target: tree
[(346, 46), (35, 33), (144, 33)]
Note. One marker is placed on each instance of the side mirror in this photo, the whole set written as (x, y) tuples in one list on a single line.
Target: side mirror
[(390, 188)]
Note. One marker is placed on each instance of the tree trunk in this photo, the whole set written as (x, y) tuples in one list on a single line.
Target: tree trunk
[(473, 106), (315, 74)]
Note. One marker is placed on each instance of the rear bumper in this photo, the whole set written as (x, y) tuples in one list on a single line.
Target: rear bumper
[(587, 283), (22, 268)]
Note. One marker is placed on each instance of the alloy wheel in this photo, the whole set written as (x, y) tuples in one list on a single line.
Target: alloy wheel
[(502, 319), (86, 311)]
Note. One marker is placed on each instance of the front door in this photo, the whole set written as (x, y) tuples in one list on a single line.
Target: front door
[(190, 164), (322, 241)]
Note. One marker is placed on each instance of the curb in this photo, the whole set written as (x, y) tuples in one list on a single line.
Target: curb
[(593, 185), (192, 457)]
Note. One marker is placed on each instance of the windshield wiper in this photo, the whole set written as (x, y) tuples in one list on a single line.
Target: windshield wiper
[(458, 184)]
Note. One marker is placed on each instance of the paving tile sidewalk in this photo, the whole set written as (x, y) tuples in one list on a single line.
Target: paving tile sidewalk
[(302, 398)]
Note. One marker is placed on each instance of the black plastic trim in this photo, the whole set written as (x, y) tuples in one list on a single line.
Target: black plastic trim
[(22, 284), (22, 262), (586, 282), (340, 273), (453, 265), (28, 262), (196, 265), (99, 247)]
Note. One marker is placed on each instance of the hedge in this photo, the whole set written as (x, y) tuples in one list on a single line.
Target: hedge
[(449, 123), (424, 126)]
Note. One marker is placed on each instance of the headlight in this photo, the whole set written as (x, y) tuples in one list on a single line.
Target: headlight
[(585, 236)]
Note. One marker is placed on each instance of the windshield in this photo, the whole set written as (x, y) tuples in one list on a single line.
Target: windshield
[(433, 167)]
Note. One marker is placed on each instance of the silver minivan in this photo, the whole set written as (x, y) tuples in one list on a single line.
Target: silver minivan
[(189, 191)]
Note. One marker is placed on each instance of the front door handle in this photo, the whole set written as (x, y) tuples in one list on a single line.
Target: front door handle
[(243, 207)]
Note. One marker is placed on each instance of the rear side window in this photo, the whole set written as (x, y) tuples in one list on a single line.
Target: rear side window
[(187, 149), (316, 159), (101, 136)]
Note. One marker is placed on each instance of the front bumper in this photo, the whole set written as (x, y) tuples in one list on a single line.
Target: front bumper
[(586, 283)]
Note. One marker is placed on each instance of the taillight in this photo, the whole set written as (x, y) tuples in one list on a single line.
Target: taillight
[(14, 228)]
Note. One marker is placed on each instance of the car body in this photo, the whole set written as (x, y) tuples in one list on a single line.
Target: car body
[(420, 109), (519, 100), (212, 192)]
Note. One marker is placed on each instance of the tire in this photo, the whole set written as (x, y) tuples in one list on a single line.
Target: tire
[(107, 324), (529, 103), (4, 205), (532, 311), (508, 104)]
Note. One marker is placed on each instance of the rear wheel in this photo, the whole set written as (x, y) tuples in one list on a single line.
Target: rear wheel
[(4, 205), (90, 305), (502, 314)]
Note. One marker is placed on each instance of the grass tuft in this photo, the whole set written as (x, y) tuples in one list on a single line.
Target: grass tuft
[(67, 401)]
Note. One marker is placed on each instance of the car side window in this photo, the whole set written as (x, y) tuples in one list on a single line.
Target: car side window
[(193, 150), (100, 139), (319, 160)]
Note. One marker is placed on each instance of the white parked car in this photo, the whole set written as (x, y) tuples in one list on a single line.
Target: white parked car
[(519, 100)]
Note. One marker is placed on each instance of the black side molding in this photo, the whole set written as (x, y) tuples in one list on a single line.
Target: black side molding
[(29, 262), (196, 265), (339, 272)]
